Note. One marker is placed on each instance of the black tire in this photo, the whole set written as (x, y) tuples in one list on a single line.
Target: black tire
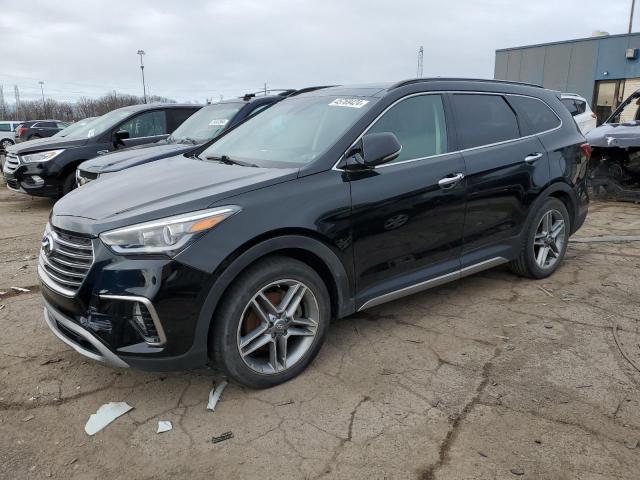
[(224, 338), (4, 144), (525, 265), (68, 184)]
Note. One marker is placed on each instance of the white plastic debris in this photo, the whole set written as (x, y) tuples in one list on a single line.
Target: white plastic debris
[(164, 426), (106, 414), (215, 394), (20, 289)]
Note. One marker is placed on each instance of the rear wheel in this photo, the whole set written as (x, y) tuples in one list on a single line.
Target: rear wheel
[(271, 323), (6, 143), (545, 242)]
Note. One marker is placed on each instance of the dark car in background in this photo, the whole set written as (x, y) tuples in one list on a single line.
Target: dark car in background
[(34, 129), (325, 204), (47, 167), (201, 127)]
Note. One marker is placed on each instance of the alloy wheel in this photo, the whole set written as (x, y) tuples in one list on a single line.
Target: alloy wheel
[(549, 239), (278, 326)]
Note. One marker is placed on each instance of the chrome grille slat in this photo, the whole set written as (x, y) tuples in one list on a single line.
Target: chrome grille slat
[(67, 264), (12, 163)]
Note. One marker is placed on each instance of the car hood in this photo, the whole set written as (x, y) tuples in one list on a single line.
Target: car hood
[(170, 186), (116, 161), (40, 144), (620, 135)]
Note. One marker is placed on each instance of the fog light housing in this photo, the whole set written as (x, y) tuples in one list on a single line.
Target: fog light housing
[(34, 180), (143, 321)]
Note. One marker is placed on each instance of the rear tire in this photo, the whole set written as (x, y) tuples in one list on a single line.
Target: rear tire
[(545, 241), (271, 322), (6, 143)]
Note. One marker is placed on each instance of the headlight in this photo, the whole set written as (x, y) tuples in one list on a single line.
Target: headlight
[(167, 235), (40, 156)]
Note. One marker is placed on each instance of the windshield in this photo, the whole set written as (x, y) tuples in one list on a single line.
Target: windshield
[(74, 127), (206, 123), (628, 110), (101, 124), (293, 132)]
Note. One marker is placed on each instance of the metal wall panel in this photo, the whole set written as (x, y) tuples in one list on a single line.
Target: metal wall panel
[(556, 67), (611, 61), (500, 71), (532, 65), (513, 65), (582, 69)]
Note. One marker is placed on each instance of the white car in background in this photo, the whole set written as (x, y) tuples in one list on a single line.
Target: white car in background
[(581, 111), (8, 133)]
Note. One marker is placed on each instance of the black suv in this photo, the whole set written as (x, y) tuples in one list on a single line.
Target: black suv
[(47, 167), (328, 203), (35, 129), (208, 123)]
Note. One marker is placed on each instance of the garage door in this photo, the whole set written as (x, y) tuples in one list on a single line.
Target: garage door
[(630, 86)]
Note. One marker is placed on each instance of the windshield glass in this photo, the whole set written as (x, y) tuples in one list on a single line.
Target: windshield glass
[(628, 110), (206, 123), (74, 127), (101, 124), (293, 132)]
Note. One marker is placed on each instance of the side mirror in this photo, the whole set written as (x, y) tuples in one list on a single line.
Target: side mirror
[(120, 135), (376, 149)]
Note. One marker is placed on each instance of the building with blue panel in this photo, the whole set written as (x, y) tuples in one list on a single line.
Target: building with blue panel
[(605, 69)]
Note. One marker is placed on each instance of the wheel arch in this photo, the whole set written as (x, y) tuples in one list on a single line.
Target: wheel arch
[(298, 245), (563, 192)]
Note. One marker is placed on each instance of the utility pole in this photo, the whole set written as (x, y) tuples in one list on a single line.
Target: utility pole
[(265, 88), (633, 6), (420, 60), (3, 106), (16, 93), (44, 104), (144, 88)]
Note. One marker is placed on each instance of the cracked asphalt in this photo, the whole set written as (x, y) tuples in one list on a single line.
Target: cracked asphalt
[(490, 377)]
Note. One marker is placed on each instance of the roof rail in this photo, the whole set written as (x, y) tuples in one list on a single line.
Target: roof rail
[(412, 81), (309, 89)]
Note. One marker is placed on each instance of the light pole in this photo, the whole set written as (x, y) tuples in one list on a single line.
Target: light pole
[(44, 105), (144, 88), (633, 5)]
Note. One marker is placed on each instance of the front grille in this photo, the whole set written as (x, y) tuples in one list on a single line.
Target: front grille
[(12, 163), (66, 259)]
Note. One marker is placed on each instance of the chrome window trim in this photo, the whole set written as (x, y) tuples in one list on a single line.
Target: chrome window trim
[(441, 92), (152, 311)]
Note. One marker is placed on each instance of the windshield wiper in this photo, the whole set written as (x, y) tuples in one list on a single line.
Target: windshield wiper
[(190, 140), (229, 161)]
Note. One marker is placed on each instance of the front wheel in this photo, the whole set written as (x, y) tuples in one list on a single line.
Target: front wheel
[(545, 242), (6, 143), (271, 323)]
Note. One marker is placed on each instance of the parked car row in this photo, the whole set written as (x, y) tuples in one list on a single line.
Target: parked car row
[(241, 249)]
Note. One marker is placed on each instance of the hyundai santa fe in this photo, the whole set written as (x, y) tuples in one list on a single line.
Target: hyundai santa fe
[(325, 204)]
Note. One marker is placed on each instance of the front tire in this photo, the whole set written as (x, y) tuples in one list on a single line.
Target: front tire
[(545, 241), (68, 184), (271, 323), (6, 143)]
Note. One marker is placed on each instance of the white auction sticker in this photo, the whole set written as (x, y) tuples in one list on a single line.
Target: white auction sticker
[(218, 122), (349, 102)]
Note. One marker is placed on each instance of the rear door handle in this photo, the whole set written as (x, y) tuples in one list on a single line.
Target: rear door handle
[(532, 157), (450, 181)]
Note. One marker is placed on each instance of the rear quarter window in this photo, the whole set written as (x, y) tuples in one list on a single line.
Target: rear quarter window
[(570, 103), (536, 116), (484, 120)]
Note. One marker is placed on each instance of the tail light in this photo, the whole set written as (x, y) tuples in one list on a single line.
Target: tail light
[(20, 131), (586, 150)]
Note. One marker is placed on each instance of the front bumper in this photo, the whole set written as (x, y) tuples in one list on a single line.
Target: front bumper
[(78, 338), (98, 318), (30, 179)]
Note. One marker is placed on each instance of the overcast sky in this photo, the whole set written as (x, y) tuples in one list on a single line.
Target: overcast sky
[(198, 49)]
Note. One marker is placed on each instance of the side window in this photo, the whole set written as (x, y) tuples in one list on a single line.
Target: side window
[(419, 124), (571, 106), (581, 106), (146, 124), (61, 125), (5, 127), (537, 116), (179, 115), (47, 125), (484, 119)]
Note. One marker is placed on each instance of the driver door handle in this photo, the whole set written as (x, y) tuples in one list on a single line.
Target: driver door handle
[(450, 181), (532, 157)]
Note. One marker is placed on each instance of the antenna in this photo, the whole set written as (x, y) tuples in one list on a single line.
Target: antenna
[(420, 61)]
